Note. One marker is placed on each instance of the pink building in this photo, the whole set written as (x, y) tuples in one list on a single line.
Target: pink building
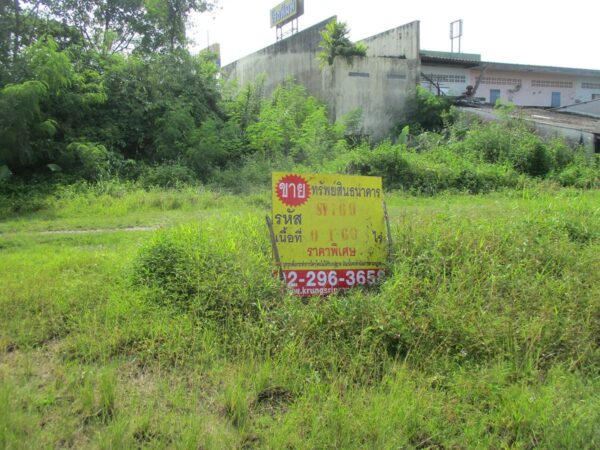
[(539, 86)]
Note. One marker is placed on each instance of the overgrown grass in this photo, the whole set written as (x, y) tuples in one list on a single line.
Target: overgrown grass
[(115, 204), (484, 334)]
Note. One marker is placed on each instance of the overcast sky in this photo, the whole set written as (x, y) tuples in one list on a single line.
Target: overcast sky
[(515, 31)]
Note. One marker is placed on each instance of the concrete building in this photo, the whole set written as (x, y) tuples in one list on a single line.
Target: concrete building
[(382, 83)]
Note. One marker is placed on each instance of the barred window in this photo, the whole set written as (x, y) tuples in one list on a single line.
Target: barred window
[(552, 83), (590, 85), (501, 81), (445, 78)]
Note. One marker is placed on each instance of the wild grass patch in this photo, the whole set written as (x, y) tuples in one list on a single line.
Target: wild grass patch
[(484, 333)]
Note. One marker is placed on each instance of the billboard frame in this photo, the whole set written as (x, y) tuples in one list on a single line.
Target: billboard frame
[(297, 10)]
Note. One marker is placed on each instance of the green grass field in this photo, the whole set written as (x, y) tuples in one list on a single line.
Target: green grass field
[(158, 325)]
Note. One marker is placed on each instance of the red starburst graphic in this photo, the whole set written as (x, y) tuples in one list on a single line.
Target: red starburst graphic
[(292, 190)]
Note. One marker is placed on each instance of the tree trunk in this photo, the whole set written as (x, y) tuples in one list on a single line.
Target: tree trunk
[(17, 30), (173, 17)]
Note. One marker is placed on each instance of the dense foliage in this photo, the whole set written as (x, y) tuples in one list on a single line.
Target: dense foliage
[(103, 90), (429, 112), (87, 86)]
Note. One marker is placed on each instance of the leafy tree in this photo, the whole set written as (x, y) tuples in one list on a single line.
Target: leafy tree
[(105, 25), (167, 19), (243, 105), (111, 26), (24, 121), (335, 42), (155, 103), (23, 23), (81, 83), (6, 29), (294, 125)]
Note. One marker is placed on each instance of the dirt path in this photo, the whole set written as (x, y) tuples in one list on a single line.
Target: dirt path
[(82, 231)]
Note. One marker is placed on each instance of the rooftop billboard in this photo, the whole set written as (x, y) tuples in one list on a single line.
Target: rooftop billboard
[(286, 12)]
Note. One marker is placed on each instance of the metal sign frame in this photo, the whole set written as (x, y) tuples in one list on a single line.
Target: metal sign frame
[(285, 13), (281, 34), (456, 32)]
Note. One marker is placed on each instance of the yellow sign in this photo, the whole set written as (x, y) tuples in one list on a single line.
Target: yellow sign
[(329, 230)]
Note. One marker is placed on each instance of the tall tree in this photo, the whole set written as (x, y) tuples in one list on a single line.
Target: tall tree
[(167, 19), (107, 26), (5, 37)]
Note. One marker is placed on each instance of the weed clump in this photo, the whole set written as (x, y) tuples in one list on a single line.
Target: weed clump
[(435, 170), (221, 271)]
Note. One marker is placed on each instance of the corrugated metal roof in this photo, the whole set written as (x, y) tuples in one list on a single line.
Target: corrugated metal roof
[(451, 55), (436, 60)]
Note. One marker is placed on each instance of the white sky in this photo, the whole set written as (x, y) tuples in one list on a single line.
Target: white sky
[(552, 33)]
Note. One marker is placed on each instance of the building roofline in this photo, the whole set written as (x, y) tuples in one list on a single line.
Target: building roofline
[(430, 57), (383, 33), (454, 62), (451, 55), (542, 69), (270, 48)]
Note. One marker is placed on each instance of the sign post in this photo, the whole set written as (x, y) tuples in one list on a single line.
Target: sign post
[(329, 231)]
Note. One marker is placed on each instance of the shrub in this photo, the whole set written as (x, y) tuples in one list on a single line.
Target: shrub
[(174, 131), (294, 125), (511, 143), (562, 155), (92, 161), (429, 172), (211, 146), (385, 161), (169, 176), (530, 156), (251, 173), (580, 175), (429, 112)]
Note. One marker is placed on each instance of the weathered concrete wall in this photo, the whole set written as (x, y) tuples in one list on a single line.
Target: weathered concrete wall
[(401, 42), (573, 136), (590, 109), (295, 56), (378, 84)]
